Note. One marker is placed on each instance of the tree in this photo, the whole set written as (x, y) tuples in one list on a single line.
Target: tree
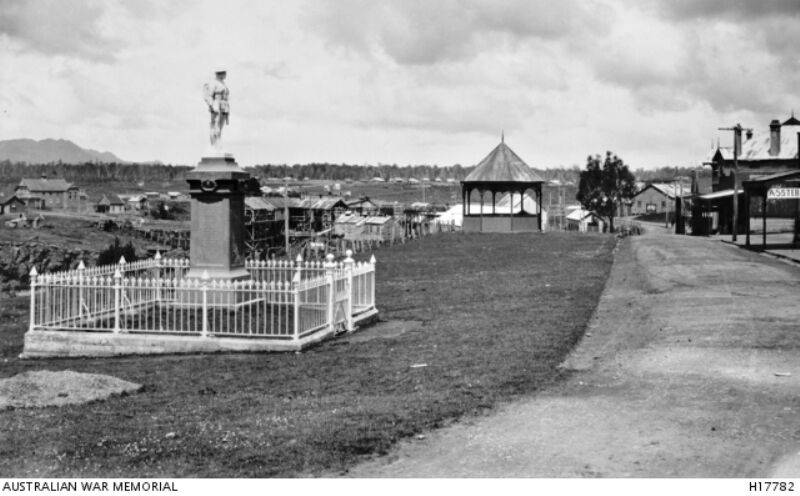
[(604, 184), (112, 254)]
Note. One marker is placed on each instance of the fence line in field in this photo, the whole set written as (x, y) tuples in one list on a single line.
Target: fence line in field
[(282, 300)]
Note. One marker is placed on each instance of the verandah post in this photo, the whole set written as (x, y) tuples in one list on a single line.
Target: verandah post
[(33, 275)]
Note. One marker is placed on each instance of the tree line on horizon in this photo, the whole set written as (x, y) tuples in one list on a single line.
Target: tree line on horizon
[(94, 172), (91, 172)]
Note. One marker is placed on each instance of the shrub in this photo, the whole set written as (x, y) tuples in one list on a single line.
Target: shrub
[(115, 250)]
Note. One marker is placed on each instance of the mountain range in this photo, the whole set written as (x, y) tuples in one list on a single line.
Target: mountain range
[(51, 150)]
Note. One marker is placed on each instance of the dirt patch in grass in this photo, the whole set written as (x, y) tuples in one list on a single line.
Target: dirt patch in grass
[(500, 313), (386, 329), (58, 388)]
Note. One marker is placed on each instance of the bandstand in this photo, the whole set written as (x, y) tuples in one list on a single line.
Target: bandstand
[(502, 181)]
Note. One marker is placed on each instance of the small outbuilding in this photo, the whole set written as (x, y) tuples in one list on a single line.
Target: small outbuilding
[(584, 221), (13, 206), (110, 206)]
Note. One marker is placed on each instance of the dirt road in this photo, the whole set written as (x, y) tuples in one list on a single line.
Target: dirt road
[(691, 367)]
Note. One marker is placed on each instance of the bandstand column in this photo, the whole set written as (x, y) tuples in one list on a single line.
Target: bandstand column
[(538, 190)]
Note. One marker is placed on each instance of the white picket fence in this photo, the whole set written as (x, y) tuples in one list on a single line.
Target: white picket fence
[(282, 299)]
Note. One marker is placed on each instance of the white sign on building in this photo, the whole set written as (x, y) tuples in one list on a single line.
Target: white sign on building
[(783, 193)]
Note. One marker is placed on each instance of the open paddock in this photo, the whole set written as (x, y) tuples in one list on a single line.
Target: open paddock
[(493, 316)]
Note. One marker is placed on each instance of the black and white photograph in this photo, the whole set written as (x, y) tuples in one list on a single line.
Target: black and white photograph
[(393, 246)]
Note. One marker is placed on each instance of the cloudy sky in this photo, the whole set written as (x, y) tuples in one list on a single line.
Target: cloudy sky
[(368, 81)]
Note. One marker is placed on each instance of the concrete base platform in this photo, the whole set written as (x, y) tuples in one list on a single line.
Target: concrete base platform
[(48, 344), (42, 344)]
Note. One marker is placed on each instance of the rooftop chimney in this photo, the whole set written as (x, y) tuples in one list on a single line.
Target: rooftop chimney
[(774, 138)]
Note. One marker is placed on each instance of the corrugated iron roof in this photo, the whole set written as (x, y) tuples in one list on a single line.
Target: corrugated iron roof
[(378, 219), (258, 203), (279, 202), (321, 203), (310, 203), (757, 148), (725, 152), (778, 176), (791, 121), (579, 214), (503, 165), (668, 189), (719, 194), (45, 184), (350, 219)]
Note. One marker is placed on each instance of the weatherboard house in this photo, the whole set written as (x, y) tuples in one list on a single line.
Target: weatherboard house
[(761, 154), (56, 193), (501, 174), (657, 198)]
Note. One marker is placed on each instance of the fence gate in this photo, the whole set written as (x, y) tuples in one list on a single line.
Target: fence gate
[(342, 320)]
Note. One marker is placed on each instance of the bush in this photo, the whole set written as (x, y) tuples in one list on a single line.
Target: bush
[(115, 250)]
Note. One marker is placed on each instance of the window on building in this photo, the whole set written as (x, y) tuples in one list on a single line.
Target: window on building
[(639, 203), (663, 204)]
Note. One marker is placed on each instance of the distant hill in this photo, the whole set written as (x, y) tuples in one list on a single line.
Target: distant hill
[(51, 150)]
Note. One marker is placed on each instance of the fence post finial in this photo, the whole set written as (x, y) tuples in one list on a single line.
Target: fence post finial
[(33, 272), (81, 265), (299, 258), (158, 255), (204, 276), (122, 260), (372, 260)]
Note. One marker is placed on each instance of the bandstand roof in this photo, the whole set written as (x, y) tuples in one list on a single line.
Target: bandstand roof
[(502, 165)]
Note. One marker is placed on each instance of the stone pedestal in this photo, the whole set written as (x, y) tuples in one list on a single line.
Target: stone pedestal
[(217, 187)]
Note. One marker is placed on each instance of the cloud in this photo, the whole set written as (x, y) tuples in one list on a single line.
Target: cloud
[(418, 32), (735, 10), (54, 27), (675, 55), (399, 80)]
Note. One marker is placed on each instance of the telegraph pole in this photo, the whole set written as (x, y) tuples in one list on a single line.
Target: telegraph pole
[(737, 149)]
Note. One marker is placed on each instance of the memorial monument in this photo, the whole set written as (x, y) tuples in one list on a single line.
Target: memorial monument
[(217, 186)]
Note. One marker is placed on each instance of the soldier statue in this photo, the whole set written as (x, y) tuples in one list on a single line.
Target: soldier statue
[(216, 97)]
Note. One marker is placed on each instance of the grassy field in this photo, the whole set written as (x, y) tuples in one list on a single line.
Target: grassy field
[(69, 233), (495, 316)]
